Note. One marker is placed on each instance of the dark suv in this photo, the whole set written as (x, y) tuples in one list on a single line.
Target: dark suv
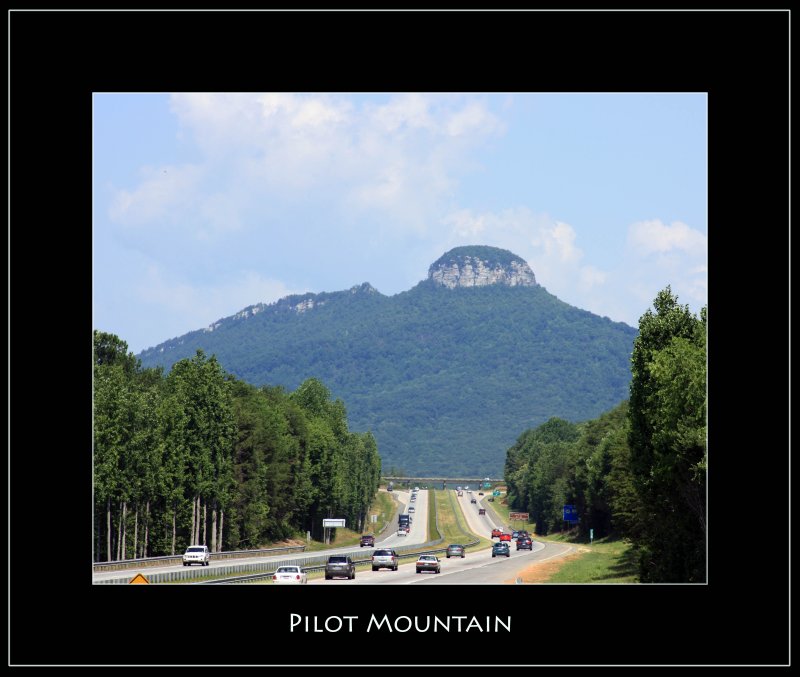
[(524, 543), (367, 539), (340, 565)]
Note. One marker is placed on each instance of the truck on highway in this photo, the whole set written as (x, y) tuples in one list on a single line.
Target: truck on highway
[(404, 520)]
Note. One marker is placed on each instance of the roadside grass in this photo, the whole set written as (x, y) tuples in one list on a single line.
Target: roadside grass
[(602, 562), (605, 560)]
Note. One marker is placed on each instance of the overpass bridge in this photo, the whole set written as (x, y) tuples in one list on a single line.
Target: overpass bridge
[(448, 480)]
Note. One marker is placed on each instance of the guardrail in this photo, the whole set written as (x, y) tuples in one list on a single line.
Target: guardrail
[(320, 567), (178, 559), (257, 571)]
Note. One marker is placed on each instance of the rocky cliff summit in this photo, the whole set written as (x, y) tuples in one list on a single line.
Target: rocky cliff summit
[(478, 266)]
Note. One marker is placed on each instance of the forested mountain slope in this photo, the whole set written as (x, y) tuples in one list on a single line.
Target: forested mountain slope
[(446, 374)]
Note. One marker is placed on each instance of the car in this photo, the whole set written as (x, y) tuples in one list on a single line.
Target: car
[(455, 550), (290, 575), (428, 563), (491, 499), (367, 539), (496, 533), (196, 554), (524, 544), (411, 509), (501, 549), (481, 511), (515, 534), (416, 488), (480, 493), (413, 498), (402, 531), (340, 565), (523, 534), (505, 537), (385, 559), (473, 500)]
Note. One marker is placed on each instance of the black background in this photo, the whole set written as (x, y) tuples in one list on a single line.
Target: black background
[(57, 59)]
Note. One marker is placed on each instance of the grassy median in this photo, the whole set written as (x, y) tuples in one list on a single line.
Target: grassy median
[(452, 525)]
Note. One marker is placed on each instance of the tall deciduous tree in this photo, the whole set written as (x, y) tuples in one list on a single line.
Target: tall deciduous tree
[(667, 440)]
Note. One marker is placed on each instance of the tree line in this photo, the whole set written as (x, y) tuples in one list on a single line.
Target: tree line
[(197, 456), (639, 470)]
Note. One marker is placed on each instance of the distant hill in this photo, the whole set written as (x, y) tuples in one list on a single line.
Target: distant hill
[(447, 374)]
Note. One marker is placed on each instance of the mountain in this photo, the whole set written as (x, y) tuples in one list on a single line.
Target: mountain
[(447, 374)]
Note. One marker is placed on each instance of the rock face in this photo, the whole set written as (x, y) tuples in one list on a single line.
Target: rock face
[(481, 266)]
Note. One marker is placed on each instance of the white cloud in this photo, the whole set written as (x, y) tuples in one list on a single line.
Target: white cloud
[(621, 289), (559, 241), (395, 162), (648, 237)]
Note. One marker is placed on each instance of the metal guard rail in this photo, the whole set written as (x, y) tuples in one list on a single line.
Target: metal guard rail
[(321, 567), (155, 561)]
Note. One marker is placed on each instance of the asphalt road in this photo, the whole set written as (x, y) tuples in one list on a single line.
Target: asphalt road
[(389, 538), (477, 568)]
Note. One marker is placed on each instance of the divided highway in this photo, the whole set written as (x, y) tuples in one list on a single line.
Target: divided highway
[(477, 567)]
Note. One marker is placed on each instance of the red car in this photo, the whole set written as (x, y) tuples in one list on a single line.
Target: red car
[(505, 537), (496, 533)]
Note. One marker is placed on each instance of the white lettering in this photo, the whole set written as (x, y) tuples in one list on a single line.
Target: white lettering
[(427, 624), (397, 621), (385, 620), (438, 621), (293, 622), (474, 622), (336, 618), (497, 622)]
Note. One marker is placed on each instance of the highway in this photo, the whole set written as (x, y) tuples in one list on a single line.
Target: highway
[(476, 568), (389, 538)]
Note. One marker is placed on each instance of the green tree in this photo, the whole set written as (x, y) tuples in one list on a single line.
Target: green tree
[(667, 440), (204, 395)]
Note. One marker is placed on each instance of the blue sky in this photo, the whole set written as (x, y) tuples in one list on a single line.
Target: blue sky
[(204, 204)]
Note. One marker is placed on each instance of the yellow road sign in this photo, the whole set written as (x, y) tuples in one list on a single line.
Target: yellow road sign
[(138, 579)]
